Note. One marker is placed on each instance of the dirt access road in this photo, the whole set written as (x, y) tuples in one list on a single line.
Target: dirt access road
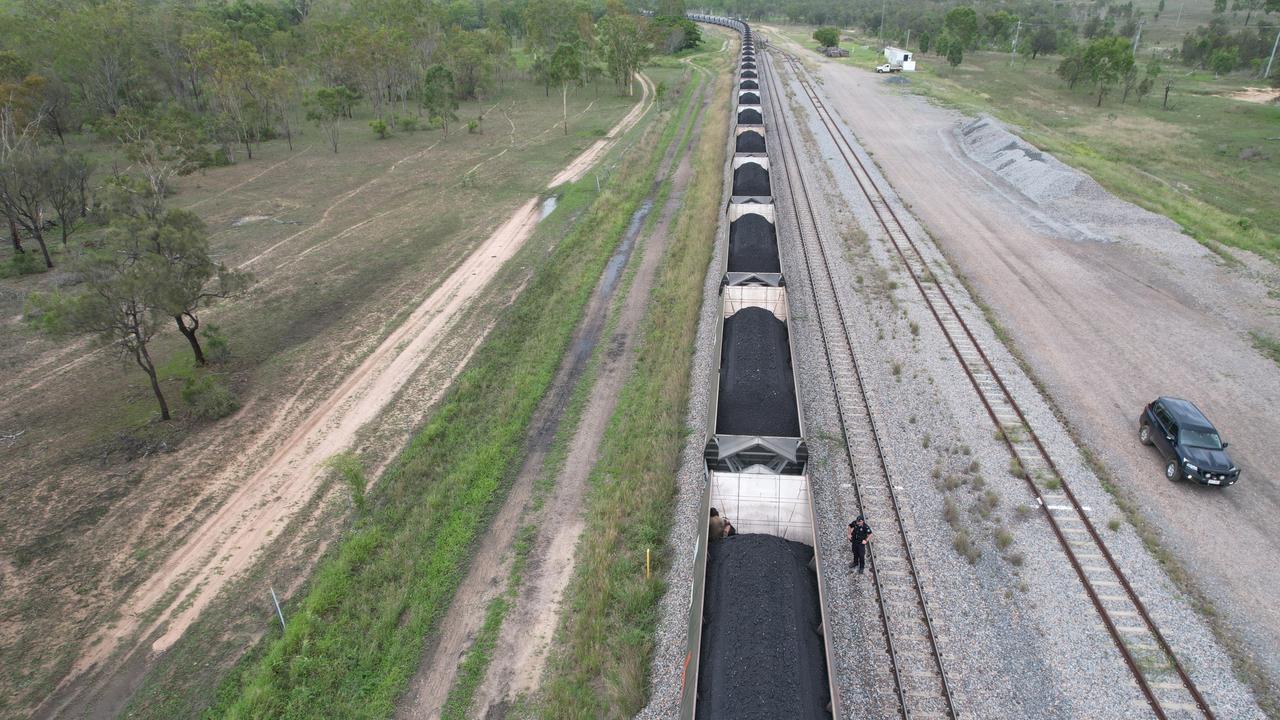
[(522, 644), (1107, 326), (162, 607)]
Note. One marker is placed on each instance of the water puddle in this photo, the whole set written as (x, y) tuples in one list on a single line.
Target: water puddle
[(548, 207), (609, 280)]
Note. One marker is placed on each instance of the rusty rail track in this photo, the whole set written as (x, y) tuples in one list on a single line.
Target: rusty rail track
[(1165, 685)]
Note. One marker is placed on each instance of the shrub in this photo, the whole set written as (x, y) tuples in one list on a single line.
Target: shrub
[(1114, 524), (23, 264), (473, 127), (827, 36), (408, 124), (380, 128), (951, 513), (964, 545), (1004, 538), (208, 398), (349, 469), (215, 345)]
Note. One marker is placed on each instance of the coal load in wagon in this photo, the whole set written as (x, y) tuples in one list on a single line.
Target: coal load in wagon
[(757, 389), (751, 179), (748, 85), (748, 65), (753, 245), (750, 142), (762, 657), (750, 116), (748, 73), (749, 99)]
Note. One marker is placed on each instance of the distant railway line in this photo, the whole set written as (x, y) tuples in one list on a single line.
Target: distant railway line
[(1163, 681)]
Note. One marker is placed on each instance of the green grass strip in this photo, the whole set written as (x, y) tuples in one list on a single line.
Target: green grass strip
[(356, 637), (599, 666)]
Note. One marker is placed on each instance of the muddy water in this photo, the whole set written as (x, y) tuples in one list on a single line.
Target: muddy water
[(548, 206), (609, 280)]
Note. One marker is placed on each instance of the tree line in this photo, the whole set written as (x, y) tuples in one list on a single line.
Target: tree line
[(172, 87)]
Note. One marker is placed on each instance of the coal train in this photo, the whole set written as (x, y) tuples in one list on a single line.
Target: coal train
[(756, 616)]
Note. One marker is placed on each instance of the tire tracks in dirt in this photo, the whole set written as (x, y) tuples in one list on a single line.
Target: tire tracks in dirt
[(160, 609), (588, 158), (523, 639)]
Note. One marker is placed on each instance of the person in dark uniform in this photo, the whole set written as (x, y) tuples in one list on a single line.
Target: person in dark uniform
[(859, 535)]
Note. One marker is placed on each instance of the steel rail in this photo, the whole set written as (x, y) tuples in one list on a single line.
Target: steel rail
[(860, 172), (790, 163)]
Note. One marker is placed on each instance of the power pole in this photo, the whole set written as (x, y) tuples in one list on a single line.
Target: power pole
[(1137, 35), (1271, 59), (907, 44), (884, 9), (1013, 51)]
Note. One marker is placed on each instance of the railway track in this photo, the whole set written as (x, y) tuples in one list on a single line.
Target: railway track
[(1164, 683), (921, 687)]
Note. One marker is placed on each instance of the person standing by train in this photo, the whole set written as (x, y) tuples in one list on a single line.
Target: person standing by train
[(859, 535)]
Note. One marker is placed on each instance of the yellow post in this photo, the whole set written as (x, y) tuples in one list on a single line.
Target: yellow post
[(646, 563)]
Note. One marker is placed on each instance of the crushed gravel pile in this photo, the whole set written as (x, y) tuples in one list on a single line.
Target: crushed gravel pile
[(748, 85), (751, 179), (750, 142), (750, 116), (1064, 199), (749, 99), (757, 389), (762, 656), (753, 245)]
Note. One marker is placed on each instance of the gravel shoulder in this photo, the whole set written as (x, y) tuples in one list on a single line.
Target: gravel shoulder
[(1111, 306)]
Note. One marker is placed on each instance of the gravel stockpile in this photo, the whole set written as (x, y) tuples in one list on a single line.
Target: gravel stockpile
[(762, 656), (751, 179), (749, 99), (757, 390), (750, 142), (750, 116), (748, 85), (753, 245)]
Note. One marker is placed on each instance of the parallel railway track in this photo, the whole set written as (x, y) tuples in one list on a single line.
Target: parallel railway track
[(916, 661), (1164, 683)]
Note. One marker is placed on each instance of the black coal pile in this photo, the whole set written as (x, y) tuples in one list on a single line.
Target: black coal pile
[(751, 179), (757, 390), (750, 142), (762, 657), (749, 99), (747, 65), (753, 244), (750, 116), (748, 73), (748, 85)]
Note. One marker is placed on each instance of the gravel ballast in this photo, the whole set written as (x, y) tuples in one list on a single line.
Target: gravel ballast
[(753, 245), (762, 656), (751, 179), (757, 389)]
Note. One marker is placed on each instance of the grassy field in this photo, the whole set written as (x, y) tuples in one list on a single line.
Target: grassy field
[(1209, 162), (95, 492), (357, 636), (600, 662)]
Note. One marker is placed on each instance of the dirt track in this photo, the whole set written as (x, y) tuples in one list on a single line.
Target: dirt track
[(229, 541), (1107, 326)]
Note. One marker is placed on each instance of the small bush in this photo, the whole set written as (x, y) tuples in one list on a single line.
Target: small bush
[(215, 345), (977, 482), (926, 442), (1016, 469), (973, 466), (936, 472), (208, 398), (952, 482), (380, 128), (349, 469), (951, 513), (964, 545), (407, 124), (1053, 483), (26, 263), (473, 127), (1114, 524), (915, 328), (897, 370), (1022, 512), (1004, 538)]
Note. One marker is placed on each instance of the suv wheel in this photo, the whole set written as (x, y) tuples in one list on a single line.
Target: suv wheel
[(1171, 471), (1144, 434)]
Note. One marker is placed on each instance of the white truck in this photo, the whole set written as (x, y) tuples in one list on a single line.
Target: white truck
[(898, 60)]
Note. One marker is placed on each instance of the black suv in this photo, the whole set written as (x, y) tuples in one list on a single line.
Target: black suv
[(1188, 442)]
